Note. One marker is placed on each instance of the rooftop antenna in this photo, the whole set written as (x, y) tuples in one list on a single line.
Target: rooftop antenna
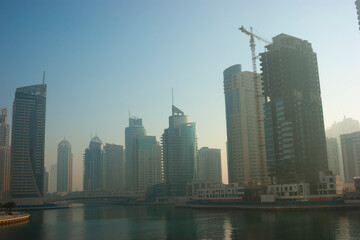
[(43, 77), (172, 96)]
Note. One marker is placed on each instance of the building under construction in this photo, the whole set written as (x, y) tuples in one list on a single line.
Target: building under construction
[(294, 125)]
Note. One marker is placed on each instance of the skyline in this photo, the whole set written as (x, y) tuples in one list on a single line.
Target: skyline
[(101, 71)]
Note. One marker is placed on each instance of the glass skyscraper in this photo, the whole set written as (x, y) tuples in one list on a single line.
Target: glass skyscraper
[(148, 170), (64, 167), (179, 153), (94, 179), (209, 165), (114, 170), (134, 129), (28, 142), (4, 155)]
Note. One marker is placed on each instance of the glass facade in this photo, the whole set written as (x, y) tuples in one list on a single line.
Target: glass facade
[(28, 142), (179, 153), (64, 167)]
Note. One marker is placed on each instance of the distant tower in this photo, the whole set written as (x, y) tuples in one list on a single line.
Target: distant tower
[(294, 125), (114, 167), (245, 137), (53, 178), (179, 153), (94, 166), (333, 155), (148, 170), (134, 129), (46, 181), (4, 155), (209, 165), (350, 146), (28, 142), (347, 125), (64, 167), (4, 128)]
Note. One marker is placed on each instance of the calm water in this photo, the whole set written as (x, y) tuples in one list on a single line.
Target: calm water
[(165, 222)]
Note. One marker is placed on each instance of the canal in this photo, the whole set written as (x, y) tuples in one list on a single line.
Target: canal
[(166, 222)]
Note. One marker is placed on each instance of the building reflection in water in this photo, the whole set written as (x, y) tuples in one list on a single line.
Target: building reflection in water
[(227, 228)]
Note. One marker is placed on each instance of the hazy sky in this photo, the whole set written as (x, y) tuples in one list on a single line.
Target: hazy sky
[(103, 57)]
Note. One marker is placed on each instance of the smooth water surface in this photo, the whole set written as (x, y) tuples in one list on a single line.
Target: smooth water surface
[(166, 222)]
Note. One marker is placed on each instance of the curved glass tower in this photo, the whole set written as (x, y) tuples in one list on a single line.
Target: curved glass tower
[(28, 142)]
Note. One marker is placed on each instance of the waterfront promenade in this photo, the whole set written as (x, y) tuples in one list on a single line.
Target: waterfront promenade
[(16, 217)]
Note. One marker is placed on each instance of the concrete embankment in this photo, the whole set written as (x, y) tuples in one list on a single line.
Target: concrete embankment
[(299, 206), (14, 218), (42, 207)]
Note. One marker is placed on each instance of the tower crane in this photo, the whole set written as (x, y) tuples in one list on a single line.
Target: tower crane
[(252, 44), (260, 131)]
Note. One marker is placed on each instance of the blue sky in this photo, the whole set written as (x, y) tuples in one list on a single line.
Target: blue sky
[(104, 57)]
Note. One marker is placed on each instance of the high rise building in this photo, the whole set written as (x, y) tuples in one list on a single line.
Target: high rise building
[(333, 155), (53, 178), (350, 145), (94, 166), (245, 132), (64, 167), (179, 153), (28, 142), (4, 128), (148, 170), (135, 128), (294, 125), (4, 155), (114, 167), (209, 165), (347, 125), (46, 181)]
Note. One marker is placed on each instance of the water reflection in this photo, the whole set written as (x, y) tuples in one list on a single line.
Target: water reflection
[(166, 222)]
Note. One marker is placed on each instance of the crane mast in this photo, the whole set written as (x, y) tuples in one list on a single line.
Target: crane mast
[(260, 130)]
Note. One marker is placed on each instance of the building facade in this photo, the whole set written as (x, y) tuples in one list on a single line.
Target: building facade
[(64, 167), (134, 129), (245, 131), (114, 167), (350, 147), (4, 155), (179, 153), (347, 125), (209, 165), (46, 181), (53, 179), (4, 128), (94, 165), (148, 169), (333, 155), (294, 125), (28, 142)]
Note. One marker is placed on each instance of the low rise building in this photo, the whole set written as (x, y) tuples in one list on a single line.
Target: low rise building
[(215, 191), (327, 183), (293, 189)]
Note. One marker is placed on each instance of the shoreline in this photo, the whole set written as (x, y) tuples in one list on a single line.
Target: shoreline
[(14, 218), (309, 207)]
